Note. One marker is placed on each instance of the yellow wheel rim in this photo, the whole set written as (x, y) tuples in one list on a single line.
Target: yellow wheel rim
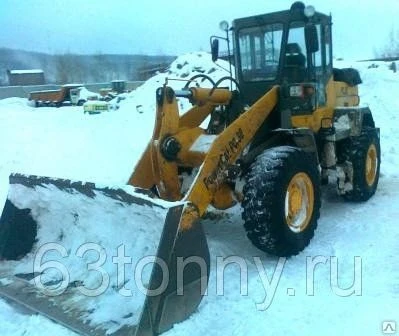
[(371, 165), (299, 202)]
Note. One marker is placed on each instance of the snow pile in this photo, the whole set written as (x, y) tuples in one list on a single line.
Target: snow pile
[(379, 91), (178, 74), (105, 147), (85, 94)]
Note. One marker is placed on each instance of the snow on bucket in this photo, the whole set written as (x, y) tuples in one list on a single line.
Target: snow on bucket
[(100, 261)]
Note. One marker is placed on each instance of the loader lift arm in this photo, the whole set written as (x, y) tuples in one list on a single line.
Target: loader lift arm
[(172, 140)]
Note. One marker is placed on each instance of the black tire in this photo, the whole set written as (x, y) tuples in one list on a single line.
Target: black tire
[(364, 153), (265, 200)]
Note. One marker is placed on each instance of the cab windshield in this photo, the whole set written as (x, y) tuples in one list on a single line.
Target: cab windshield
[(259, 49)]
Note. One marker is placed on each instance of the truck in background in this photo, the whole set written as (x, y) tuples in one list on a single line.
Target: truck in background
[(68, 94)]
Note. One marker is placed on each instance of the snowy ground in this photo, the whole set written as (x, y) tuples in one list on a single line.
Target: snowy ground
[(104, 148)]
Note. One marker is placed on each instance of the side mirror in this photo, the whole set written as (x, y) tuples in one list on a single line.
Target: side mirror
[(215, 49), (311, 38)]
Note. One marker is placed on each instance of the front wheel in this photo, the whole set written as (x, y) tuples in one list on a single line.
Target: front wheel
[(281, 203)]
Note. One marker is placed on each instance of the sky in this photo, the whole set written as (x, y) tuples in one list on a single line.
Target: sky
[(175, 27)]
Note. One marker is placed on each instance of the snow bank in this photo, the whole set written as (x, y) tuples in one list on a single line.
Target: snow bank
[(379, 91), (177, 75)]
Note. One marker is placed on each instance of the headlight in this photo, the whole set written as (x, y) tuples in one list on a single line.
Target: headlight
[(224, 25), (309, 11), (296, 91), (302, 91)]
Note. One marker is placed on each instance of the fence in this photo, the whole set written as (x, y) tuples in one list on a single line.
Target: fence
[(23, 91)]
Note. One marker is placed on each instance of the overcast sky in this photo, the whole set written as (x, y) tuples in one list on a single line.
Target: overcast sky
[(175, 26)]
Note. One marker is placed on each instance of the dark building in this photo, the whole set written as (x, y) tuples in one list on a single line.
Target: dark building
[(25, 77)]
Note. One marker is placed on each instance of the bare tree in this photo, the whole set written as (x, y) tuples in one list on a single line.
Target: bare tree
[(69, 68), (391, 48)]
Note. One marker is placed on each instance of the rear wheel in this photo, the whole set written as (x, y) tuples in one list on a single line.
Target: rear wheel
[(363, 152), (281, 203)]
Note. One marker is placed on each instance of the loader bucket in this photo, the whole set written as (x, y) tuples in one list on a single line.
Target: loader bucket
[(99, 260)]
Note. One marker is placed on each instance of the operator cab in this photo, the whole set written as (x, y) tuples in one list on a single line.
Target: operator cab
[(286, 47)]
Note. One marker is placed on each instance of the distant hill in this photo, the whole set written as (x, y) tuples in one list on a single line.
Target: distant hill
[(68, 68)]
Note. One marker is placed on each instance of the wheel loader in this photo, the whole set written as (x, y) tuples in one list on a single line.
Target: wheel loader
[(285, 124)]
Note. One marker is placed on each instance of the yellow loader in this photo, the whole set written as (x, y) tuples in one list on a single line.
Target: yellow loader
[(291, 124)]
